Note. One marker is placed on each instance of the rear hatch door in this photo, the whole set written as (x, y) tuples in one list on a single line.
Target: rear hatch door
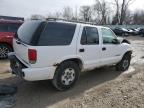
[(25, 38)]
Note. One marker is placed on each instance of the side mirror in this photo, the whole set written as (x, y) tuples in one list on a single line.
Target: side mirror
[(115, 41)]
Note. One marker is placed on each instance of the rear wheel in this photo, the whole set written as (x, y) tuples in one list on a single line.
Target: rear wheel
[(4, 50), (124, 64), (66, 75)]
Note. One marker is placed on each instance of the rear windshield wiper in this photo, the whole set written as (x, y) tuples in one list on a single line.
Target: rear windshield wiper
[(18, 41), (17, 38)]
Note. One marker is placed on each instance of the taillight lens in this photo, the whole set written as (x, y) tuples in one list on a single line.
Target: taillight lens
[(32, 55)]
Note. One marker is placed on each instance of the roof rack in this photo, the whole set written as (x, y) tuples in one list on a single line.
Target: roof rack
[(75, 21)]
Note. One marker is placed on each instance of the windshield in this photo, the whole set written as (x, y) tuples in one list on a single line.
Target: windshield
[(27, 30)]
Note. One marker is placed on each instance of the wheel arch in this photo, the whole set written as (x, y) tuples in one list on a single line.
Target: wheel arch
[(76, 60), (127, 53), (9, 45)]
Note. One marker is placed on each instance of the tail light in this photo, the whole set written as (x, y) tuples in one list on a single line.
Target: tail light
[(32, 56)]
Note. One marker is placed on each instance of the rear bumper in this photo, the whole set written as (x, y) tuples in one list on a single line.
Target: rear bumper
[(30, 74), (34, 74)]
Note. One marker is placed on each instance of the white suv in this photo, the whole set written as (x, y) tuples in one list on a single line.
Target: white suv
[(60, 50)]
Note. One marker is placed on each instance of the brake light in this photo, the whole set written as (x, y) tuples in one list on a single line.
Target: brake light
[(32, 56)]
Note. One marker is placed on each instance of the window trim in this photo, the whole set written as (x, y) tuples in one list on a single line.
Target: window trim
[(57, 23), (84, 28), (113, 36), (32, 35)]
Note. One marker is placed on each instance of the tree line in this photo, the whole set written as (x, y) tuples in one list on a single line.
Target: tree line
[(102, 12)]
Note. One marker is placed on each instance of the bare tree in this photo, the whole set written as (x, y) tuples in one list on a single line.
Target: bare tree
[(121, 9), (128, 17), (75, 14), (67, 13), (138, 17), (86, 13), (36, 17), (102, 11), (58, 15), (116, 18)]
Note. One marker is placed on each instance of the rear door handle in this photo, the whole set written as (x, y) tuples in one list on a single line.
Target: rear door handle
[(104, 48), (81, 50)]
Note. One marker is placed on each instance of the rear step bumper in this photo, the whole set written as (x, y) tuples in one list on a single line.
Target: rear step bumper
[(30, 74)]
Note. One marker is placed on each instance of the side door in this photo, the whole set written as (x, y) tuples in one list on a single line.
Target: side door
[(89, 48), (111, 48)]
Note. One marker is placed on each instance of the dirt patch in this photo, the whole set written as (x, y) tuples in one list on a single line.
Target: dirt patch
[(124, 92)]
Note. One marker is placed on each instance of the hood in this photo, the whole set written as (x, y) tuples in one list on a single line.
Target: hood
[(120, 39), (123, 40)]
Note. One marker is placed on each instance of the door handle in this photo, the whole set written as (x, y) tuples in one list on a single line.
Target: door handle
[(104, 48), (81, 50)]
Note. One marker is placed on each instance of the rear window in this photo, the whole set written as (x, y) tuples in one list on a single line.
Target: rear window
[(27, 30), (56, 33)]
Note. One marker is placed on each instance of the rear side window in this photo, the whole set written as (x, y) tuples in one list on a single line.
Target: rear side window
[(9, 27), (56, 33), (27, 30), (90, 36), (3, 28), (13, 27)]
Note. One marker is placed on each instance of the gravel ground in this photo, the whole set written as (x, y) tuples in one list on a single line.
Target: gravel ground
[(100, 88)]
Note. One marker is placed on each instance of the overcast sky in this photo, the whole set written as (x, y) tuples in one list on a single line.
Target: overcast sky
[(25, 8)]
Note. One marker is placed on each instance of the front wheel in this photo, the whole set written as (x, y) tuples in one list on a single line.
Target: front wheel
[(66, 75), (124, 64)]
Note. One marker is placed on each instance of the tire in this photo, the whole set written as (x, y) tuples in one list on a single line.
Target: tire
[(124, 64), (4, 50), (66, 75)]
